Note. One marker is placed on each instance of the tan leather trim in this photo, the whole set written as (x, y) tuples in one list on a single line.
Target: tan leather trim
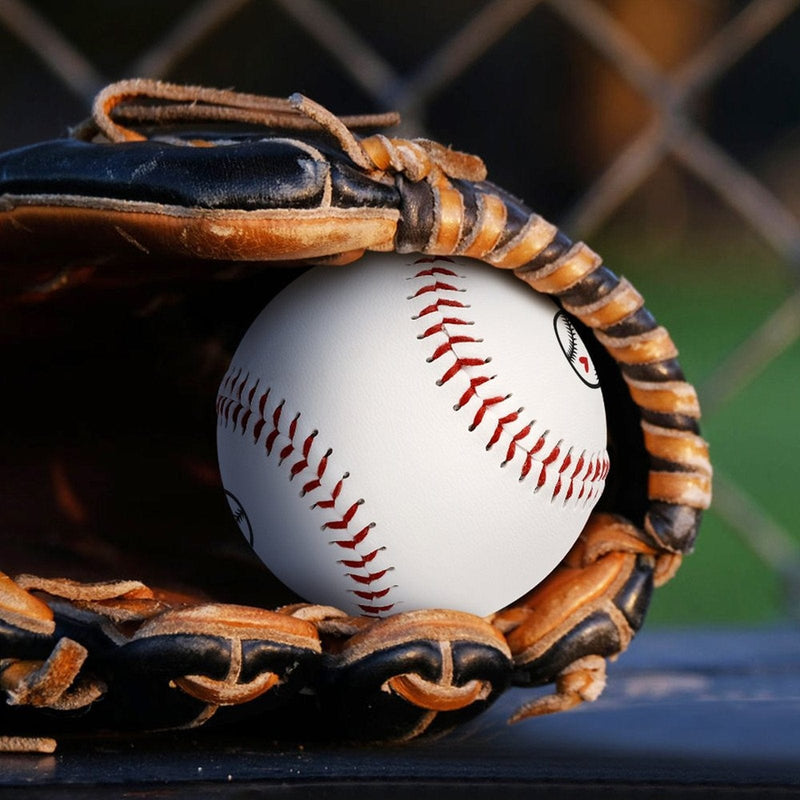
[(619, 303), (145, 229), (644, 348), (565, 272)]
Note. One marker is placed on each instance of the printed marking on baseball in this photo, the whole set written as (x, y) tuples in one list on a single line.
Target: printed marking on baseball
[(407, 433)]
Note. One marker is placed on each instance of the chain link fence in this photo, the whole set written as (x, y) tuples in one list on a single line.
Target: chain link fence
[(635, 124)]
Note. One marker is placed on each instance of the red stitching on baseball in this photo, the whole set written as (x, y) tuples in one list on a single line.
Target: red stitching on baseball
[(369, 578), (558, 456), (352, 543), (376, 595), (439, 327), (239, 403), (438, 286), (512, 446), (434, 308), (375, 611), (361, 562), (341, 524)]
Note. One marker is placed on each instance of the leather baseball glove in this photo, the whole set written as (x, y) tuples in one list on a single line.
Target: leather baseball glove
[(131, 256)]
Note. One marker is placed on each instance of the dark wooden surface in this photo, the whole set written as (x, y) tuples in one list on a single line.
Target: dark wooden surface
[(684, 712)]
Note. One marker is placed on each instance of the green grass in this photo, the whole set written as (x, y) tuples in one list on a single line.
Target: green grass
[(710, 304)]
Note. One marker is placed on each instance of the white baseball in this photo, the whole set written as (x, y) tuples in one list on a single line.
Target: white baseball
[(409, 433)]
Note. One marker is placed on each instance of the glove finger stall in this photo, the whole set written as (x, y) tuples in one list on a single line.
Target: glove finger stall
[(183, 666), (413, 673), (599, 628)]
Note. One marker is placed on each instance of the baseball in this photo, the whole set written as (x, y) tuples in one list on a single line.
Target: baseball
[(406, 433)]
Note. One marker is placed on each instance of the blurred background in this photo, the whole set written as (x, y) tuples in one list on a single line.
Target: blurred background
[(665, 133)]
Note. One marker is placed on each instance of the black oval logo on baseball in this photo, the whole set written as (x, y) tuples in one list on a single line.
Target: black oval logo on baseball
[(575, 350), (240, 516)]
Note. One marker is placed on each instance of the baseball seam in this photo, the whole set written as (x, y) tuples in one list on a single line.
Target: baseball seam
[(580, 477), (243, 406)]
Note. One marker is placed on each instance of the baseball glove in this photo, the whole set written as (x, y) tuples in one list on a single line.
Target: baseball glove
[(132, 255)]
